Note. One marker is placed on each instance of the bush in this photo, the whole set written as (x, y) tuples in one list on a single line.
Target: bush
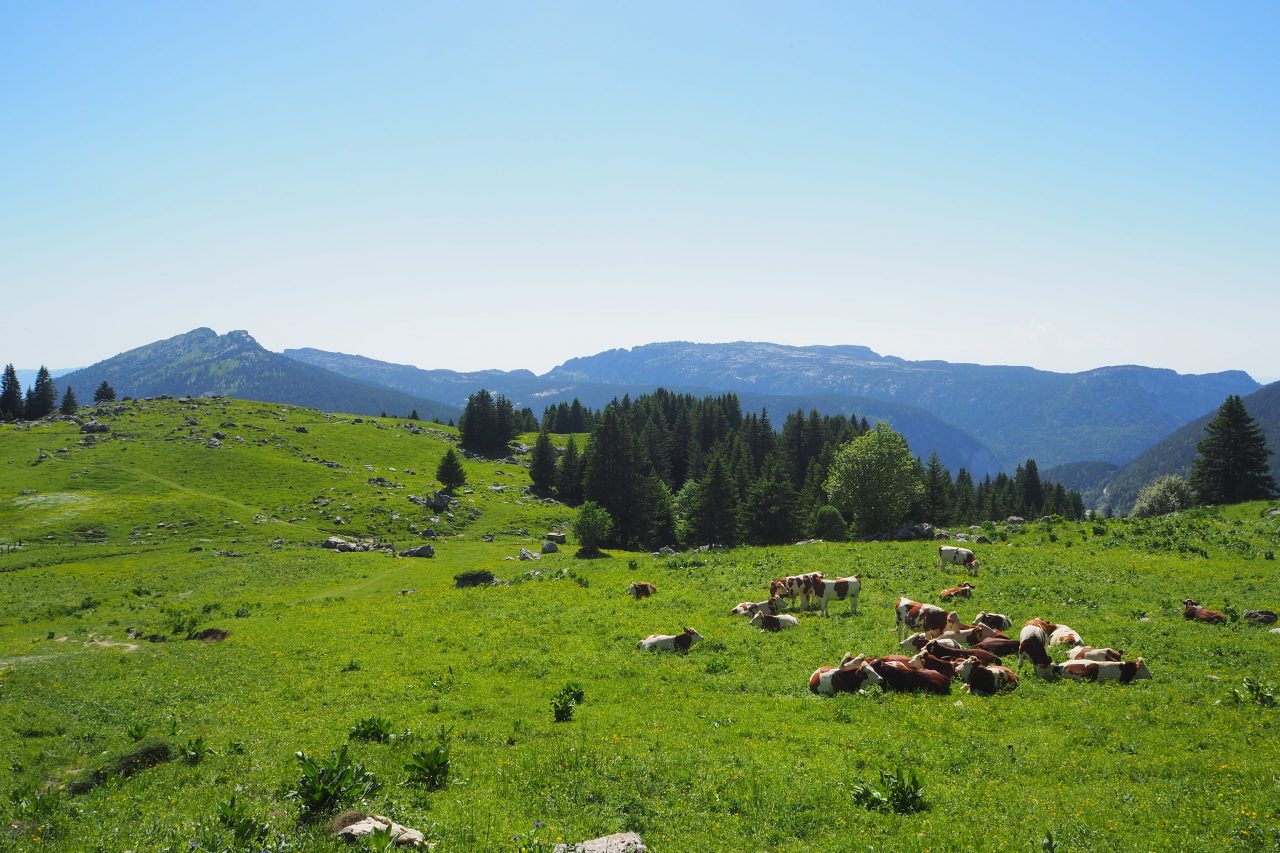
[(592, 526), (328, 783), (830, 525), (1166, 495), (563, 703)]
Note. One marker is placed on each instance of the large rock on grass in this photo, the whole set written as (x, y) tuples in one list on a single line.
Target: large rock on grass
[(620, 842), (420, 551)]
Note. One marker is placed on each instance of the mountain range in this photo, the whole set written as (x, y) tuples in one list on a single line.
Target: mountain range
[(1094, 425)]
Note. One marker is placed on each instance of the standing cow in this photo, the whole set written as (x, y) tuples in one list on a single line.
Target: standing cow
[(950, 555), (838, 590), (920, 617)]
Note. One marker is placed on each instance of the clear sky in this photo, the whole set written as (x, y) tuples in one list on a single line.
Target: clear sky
[(468, 185)]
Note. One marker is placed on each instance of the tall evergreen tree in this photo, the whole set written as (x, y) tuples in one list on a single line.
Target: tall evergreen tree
[(569, 474), (767, 514), (104, 393), (965, 499), (42, 398), (69, 406), (1232, 462), (542, 464), (450, 472), (10, 395), (939, 492), (714, 517)]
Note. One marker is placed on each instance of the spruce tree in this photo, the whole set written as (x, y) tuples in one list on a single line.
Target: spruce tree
[(104, 393), (10, 395), (714, 517), (569, 474), (939, 492), (542, 464), (965, 501), (767, 515), (1232, 465), (450, 472), (69, 404), (42, 398)]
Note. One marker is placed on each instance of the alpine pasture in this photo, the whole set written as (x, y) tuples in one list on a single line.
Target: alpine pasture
[(136, 539)]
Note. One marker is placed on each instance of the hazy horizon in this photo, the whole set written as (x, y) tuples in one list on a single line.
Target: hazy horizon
[(503, 186)]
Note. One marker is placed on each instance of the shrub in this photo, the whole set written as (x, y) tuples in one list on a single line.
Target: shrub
[(431, 767), (830, 525), (328, 783), (900, 792), (563, 703), (592, 527), (1166, 495), (375, 729)]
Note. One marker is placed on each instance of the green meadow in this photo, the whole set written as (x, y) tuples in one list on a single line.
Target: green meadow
[(134, 540)]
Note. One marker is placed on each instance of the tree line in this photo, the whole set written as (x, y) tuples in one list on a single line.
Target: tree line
[(671, 469), (41, 398)]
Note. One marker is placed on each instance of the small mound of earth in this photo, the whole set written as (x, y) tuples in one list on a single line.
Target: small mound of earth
[(212, 635)]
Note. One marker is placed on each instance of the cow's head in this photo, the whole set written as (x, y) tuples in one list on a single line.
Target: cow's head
[(966, 667), (1140, 670), (915, 642)]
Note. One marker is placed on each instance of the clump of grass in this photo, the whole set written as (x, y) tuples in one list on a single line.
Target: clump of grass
[(899, 791), (330, 782), (430, 767), (247, 831), (373, 729), (563, 703)]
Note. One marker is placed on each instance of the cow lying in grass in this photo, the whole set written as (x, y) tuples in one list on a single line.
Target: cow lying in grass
[(965, 590), (1090, 653), (853, 674), (770, 622), (667, 642), (1065, 636), (747, 608), (985, 680), (641, 589), (897, 677), (919, 640), (996, 620), (1100, 671), (1192, 610)]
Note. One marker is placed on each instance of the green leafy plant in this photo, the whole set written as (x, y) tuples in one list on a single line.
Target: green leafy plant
[(900, 792), (195, 750), (245, 829), (330, 782), (1255, 690), (430, 767), (375, 729), (563, 703), (136, 732)]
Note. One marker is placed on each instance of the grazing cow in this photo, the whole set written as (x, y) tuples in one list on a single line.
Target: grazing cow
[(666, 642), (965, 590), (955, 653), (1191, 610), (1105, 670), (900, 678), (996, 620), (838, 589), (770, 622), (772, 606), (918, 641), (950, 555), (1031, 645), (924, 660), (920, 617), (641, 589), (999, 646), (852, 675), (1065, 636), (1090, 653), (793, 585), (986, 680)]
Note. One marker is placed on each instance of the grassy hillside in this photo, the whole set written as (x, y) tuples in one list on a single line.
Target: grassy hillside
[(151, 528)]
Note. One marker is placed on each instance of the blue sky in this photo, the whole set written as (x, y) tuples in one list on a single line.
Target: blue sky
[(467, 186)]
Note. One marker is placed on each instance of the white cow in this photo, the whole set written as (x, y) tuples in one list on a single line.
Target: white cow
[(668, 642), (951, 555), (769, 622)]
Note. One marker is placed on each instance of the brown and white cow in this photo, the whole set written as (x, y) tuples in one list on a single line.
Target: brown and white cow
[(747, 608), (1032, 645), (769, 622), (920, 639), (853, 674), (641, 589), (795, 585), (985, 680), (1064, 635), (957, 654), (924, 660), (996, 620), (998, 646), (901, 678), (837, 589), (1090, 653), (1192, 610), (950, 555), (965, 590), (954, 626), (920, 617), (971, 635), (1105, 670), (667, 642)]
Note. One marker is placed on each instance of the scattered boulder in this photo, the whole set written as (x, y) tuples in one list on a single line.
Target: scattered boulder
[(94, 427), (982, 540), (667, 551), (480, 577), (488, 537), (300, 429), (212, 635), (1015, 519), (420, 551), (218, 434), (353, 827), (620, 842), (558, 538), (333, 542), (213, 442), (550, 547), (526, 554)]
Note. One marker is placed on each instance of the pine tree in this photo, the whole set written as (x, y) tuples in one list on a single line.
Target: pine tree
[(1231, 465), (413, 416), (569, 474), (965, 501), (542, 464), (104, 393), (939, 492), (767, 514), (69, 404), (42, 397), (714, 517), (450, 472), (10, 395)]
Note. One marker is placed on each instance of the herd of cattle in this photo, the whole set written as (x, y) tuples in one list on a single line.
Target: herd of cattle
[(940, 648)]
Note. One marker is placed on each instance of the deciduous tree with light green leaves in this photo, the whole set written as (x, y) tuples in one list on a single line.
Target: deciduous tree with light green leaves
[(872, 480)]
